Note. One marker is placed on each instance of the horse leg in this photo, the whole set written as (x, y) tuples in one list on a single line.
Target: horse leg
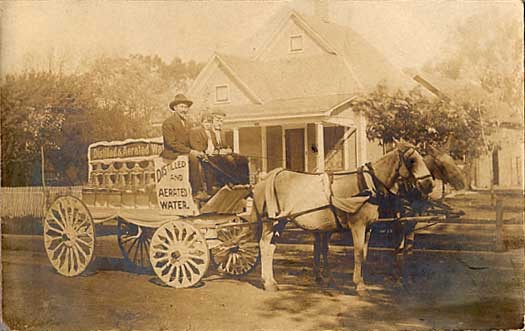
[(358, 237), (317, 257), (267, 248), (368, 233), (398, 231), (327, 273), (409, 236)]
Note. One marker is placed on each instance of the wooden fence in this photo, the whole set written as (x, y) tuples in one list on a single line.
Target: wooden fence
[(29, 201)]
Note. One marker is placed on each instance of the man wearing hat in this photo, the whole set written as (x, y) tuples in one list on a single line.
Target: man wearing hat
[(176, 134), (233, 167)]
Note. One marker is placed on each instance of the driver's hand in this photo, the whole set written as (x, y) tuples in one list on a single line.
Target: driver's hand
[(197, 154)]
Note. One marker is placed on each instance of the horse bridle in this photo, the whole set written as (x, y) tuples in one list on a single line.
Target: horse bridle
[(403, 161)]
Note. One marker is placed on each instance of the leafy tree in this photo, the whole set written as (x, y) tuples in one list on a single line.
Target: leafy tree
[(113, 99), (485, 54), (420, 119), (484, 57), (34, 107)]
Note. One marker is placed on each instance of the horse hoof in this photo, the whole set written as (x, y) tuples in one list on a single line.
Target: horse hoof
[(271, 287), (362, 290), (331, 283)]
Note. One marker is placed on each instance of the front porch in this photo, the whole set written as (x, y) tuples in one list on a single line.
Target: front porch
[(334, 140)]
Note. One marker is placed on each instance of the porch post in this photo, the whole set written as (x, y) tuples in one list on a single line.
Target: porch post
[(346, 149), (320, 146), (306, 149), (362, 141), (283, 139), (264, 149), (236, 140)]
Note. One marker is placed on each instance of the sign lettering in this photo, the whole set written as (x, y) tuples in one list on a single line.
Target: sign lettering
[(173, 187), (132, 149)]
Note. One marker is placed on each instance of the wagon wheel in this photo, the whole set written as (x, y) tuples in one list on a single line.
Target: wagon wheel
[(134, 242), (238, 252), (69, 236), (179, 254)]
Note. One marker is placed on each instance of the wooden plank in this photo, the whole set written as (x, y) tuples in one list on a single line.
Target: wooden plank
[(419, 219)]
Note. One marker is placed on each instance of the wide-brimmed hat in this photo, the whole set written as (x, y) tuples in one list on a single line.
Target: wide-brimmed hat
[(180, 98)]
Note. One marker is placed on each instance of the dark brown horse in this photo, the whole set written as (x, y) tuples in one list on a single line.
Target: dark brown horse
[(302, 199)]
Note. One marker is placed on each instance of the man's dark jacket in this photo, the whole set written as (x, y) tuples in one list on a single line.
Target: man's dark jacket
[(199, 139), (176, 134)]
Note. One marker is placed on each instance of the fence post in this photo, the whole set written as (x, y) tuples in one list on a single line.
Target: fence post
[(500, 245)]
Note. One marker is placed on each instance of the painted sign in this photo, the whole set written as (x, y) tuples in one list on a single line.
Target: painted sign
[(131, 149), (173, 187)]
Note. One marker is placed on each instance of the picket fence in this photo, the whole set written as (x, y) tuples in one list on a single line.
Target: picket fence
[(29, 201)]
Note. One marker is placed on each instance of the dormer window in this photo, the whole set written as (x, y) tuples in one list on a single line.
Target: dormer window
[(296, 43), (222, 94)]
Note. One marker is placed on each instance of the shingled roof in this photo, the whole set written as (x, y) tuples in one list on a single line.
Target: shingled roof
[(366, 65), (307, 106), (302, 84), (300, 77)]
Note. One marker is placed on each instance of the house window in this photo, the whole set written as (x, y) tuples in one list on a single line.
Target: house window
[(296, 43), (222, 94)]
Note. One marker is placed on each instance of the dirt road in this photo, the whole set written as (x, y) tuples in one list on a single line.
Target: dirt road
[(454, 290)]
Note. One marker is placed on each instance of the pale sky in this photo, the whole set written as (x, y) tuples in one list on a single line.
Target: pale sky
[(408, 32)]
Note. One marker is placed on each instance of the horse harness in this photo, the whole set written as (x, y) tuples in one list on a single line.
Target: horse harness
[(376, 190)]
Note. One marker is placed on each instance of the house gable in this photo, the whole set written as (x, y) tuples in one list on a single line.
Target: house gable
[(294, 38), (218, 84)]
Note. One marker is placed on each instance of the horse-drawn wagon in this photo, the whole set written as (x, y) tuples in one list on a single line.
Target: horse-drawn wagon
[(160, 226), (158, 223)]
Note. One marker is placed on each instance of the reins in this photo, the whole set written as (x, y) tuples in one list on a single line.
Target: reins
[(219, 169)]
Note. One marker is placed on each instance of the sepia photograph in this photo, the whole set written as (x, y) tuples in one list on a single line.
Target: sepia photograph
[(265, 165)]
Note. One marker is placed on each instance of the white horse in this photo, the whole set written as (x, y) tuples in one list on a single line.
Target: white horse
[(347, 207), (442, 167)]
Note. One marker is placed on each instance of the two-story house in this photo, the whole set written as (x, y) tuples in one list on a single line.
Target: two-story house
[(288, 101)]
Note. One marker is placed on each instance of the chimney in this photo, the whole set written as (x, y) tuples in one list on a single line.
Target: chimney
[(321, 9)]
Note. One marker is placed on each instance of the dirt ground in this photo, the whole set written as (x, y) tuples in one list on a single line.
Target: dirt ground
[(446, 291), (453, 281)]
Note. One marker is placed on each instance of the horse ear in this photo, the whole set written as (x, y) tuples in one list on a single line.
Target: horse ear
[(448, 143), (433, 150)]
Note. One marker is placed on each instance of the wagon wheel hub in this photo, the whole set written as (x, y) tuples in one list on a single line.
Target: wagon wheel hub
[(176, 257), (69, 238)]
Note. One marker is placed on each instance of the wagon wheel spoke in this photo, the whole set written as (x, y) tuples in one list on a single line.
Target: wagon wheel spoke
[(179, 254), (56, 253), (80, 253), (87, 243), (134, 242), (55, 216), (52, 228), (69, 236), (238, 252)]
